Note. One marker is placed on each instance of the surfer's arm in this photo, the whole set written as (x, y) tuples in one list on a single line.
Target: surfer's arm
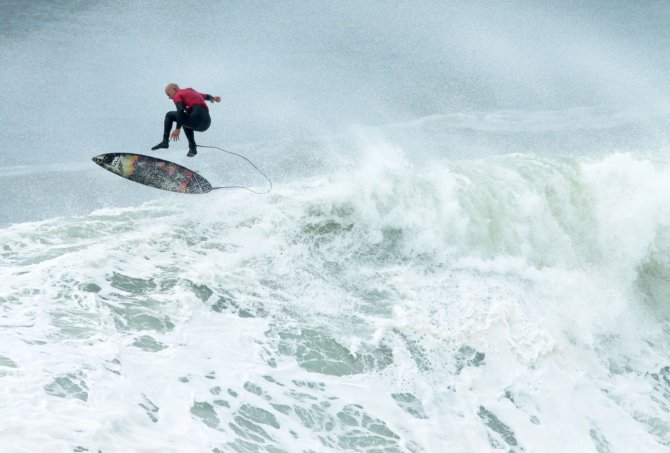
[(210, 98), (181, 116)]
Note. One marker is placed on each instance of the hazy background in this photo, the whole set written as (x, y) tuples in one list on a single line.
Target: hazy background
[(83, 78)]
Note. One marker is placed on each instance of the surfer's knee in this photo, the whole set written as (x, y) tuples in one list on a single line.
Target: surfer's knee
[(204, 125)]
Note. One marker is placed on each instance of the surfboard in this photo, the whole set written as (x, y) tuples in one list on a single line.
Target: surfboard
[(154, 172)]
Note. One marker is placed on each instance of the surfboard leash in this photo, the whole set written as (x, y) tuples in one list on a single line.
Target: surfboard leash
[(251, 163)]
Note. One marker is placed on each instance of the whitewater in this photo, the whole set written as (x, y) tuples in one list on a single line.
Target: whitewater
[(456, 257)]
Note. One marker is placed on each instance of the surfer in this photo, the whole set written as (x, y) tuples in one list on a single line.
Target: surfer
[(192, 113)]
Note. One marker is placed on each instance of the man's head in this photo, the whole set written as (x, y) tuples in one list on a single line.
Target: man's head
[(171, 89)]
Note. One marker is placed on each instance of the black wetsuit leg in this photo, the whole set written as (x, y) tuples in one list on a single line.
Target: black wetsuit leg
[(190, 136), (197, 119), (170, 117)]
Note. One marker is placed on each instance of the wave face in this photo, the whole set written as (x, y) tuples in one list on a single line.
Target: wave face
[(514, 302)]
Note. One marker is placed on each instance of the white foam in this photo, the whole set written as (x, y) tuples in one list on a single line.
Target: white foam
[(501, 294)]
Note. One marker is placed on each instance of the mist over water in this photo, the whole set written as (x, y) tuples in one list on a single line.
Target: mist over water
[(92, 75), (86, 78), (466, 247)]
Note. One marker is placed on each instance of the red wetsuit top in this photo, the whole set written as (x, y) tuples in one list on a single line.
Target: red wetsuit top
[(189, 97)]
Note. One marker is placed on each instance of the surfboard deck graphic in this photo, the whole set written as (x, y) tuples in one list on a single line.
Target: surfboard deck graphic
[(154, 172)]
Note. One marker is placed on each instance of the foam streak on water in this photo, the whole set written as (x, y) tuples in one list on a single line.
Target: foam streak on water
[(514, 303)]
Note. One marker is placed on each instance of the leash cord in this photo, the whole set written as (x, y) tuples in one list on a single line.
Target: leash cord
[(251, 163)]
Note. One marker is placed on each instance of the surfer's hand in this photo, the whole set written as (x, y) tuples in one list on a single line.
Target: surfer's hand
[(216, 99), (175, 135)]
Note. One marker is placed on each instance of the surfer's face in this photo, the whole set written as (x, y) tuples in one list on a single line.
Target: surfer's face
[(170, 91)]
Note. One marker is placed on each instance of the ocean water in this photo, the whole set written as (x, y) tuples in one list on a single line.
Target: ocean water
[(465, 256)]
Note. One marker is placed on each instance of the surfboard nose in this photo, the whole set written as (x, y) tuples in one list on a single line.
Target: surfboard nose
[(98, 159)]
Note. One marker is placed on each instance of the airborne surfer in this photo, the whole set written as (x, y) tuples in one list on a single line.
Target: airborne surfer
[(192, 113)]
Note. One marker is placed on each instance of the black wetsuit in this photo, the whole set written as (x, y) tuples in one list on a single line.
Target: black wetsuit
[(192, 113), (197, 119)]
